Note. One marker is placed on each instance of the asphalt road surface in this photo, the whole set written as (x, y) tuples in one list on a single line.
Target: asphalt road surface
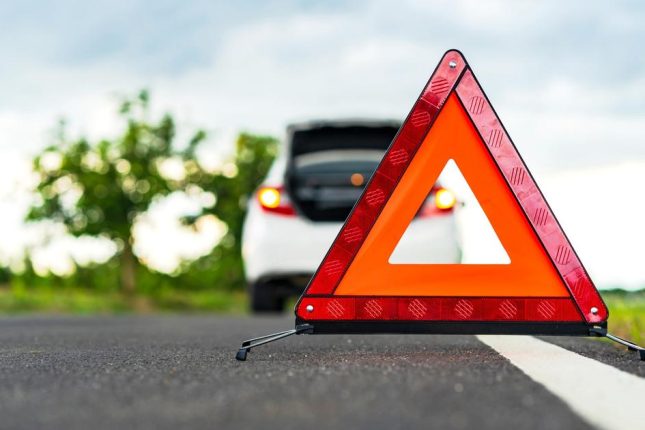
[(179, 372)]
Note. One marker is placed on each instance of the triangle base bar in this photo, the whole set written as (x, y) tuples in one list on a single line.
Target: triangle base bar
[(445, 327)]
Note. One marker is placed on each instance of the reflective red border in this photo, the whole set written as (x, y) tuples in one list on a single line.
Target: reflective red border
[(453, 74), (531, 199), (512, 309)]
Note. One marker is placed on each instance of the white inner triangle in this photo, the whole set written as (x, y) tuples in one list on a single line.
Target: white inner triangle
[(465, 237)]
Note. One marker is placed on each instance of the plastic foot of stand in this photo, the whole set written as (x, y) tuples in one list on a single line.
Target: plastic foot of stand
[(241, 355)]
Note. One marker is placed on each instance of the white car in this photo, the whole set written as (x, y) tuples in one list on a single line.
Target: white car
[(308, 193)]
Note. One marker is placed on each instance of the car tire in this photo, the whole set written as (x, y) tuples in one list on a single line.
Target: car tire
[(265, 299)]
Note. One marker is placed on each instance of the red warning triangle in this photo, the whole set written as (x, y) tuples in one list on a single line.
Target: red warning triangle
[(544, 288)]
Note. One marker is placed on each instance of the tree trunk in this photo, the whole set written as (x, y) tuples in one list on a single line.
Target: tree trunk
[(128, 269)]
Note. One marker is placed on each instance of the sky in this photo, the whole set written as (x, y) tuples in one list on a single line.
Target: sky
[(567, 79)]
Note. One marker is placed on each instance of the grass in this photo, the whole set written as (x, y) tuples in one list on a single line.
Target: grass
[(69, 300)]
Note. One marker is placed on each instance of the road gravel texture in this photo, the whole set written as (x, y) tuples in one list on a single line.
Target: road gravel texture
[(169, 372)]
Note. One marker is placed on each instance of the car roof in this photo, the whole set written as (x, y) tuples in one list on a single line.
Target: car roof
[(342, 123)]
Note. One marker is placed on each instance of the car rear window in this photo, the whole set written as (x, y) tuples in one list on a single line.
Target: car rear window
[(327, 138), (331, 166)]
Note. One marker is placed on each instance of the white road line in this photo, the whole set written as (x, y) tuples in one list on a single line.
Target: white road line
[(604, 396)]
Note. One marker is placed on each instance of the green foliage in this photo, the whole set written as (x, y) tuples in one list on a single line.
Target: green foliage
[(101, 188), (98, 189), (75, 300), (626, 313)]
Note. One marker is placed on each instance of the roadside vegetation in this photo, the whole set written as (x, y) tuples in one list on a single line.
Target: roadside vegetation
[(626, 314), (99, 190)]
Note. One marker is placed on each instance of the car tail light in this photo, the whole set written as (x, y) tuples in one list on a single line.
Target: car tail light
[(275, 200), (444, 199), (440, 201)]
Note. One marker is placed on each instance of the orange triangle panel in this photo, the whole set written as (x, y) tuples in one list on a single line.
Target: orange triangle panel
[(544, 289)]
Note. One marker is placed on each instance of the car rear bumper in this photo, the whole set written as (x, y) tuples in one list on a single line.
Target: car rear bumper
[(277, 247)]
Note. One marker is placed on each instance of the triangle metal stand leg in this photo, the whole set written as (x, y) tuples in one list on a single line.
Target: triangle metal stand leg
[(262, 340), (631, 346)]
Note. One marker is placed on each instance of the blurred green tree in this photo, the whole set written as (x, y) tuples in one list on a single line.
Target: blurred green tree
[(99, 189), (233, 187)]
